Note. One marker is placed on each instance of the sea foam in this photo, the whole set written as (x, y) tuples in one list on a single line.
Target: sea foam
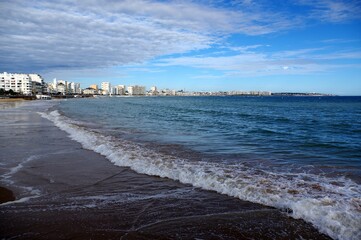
[(331, 205)]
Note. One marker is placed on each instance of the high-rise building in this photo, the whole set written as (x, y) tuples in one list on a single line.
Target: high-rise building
[(62, 87), (74, 88), (38, 84), (106, 87)]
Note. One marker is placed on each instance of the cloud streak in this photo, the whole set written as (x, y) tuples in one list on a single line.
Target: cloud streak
[(333, 10), (246, 64)]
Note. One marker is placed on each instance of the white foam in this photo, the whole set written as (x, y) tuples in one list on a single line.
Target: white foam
[(30, 192), (335, 209), (6, 178)]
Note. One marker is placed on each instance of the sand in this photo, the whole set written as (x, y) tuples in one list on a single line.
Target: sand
[(6, 195)]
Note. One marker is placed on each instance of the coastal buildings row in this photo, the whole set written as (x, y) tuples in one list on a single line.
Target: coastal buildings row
[(25, 84), (63, 87), (108, 89), (32, 84)]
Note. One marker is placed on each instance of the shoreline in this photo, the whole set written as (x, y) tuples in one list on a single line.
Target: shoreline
[(7, 103), (93, 198), (11, 99)]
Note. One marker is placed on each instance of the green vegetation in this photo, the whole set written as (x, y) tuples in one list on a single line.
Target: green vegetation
[(10, 92)]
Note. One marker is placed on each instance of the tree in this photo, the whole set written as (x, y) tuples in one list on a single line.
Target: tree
[(2, 91)]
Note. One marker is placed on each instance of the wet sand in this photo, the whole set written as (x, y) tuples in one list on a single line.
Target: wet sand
[(10, 102), (74, 193), (6, 195)]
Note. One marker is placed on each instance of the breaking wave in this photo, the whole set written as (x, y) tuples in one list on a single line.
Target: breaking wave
[(333, 205)]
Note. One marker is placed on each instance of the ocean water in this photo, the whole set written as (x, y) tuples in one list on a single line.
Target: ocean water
[(301, 155)]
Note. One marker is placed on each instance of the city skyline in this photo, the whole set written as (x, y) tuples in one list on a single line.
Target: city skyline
[(298, 46)]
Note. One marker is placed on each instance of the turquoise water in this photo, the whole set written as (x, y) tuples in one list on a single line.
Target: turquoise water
[(298, 154)]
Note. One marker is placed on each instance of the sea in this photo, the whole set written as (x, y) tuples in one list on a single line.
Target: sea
[(301, 155)]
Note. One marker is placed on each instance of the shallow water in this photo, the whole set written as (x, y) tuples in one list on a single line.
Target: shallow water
[(295, 153), (65, 190), (299, 155)]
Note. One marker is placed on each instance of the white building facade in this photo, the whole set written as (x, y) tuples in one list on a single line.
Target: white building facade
[(121, 89), (74, 88), (17, 82), (63, 87), (38, 83), (106, 87), (136, 90)]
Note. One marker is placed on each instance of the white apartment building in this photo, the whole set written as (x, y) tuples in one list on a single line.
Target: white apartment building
[(153, 91), (64, 87), (74, 88), (168, 92), (20, 83), (106, 87), (90, 91), (120, 89), (36, 78), (136, 90), (38, 83)]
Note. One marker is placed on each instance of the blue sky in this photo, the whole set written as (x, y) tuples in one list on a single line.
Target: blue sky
[(210, 45)]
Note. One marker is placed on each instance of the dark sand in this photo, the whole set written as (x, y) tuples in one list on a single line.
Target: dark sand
[(79, 194), (6, 195)]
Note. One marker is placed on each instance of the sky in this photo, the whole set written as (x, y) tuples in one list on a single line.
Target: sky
[(204, 45)]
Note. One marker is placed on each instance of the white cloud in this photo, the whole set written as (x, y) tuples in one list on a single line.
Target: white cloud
[(43, 35), (89, 33), (40, 35)]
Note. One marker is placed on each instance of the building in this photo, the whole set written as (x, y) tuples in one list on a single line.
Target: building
[(17, 82), (63, 87), (120, 90), (94, 86), (36, 78), (136, 90), (153, 91), (38, 84), (168, 92), (114, 91), (90, 91), (74, 88), (106, 87)]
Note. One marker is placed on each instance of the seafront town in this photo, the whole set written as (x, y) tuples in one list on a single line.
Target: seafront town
[(32, 86)]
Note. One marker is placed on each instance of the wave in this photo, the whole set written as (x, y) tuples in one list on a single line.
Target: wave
[(331, 205)]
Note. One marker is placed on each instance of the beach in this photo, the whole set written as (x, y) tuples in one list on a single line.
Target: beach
[(63, 191), (10, 102)]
